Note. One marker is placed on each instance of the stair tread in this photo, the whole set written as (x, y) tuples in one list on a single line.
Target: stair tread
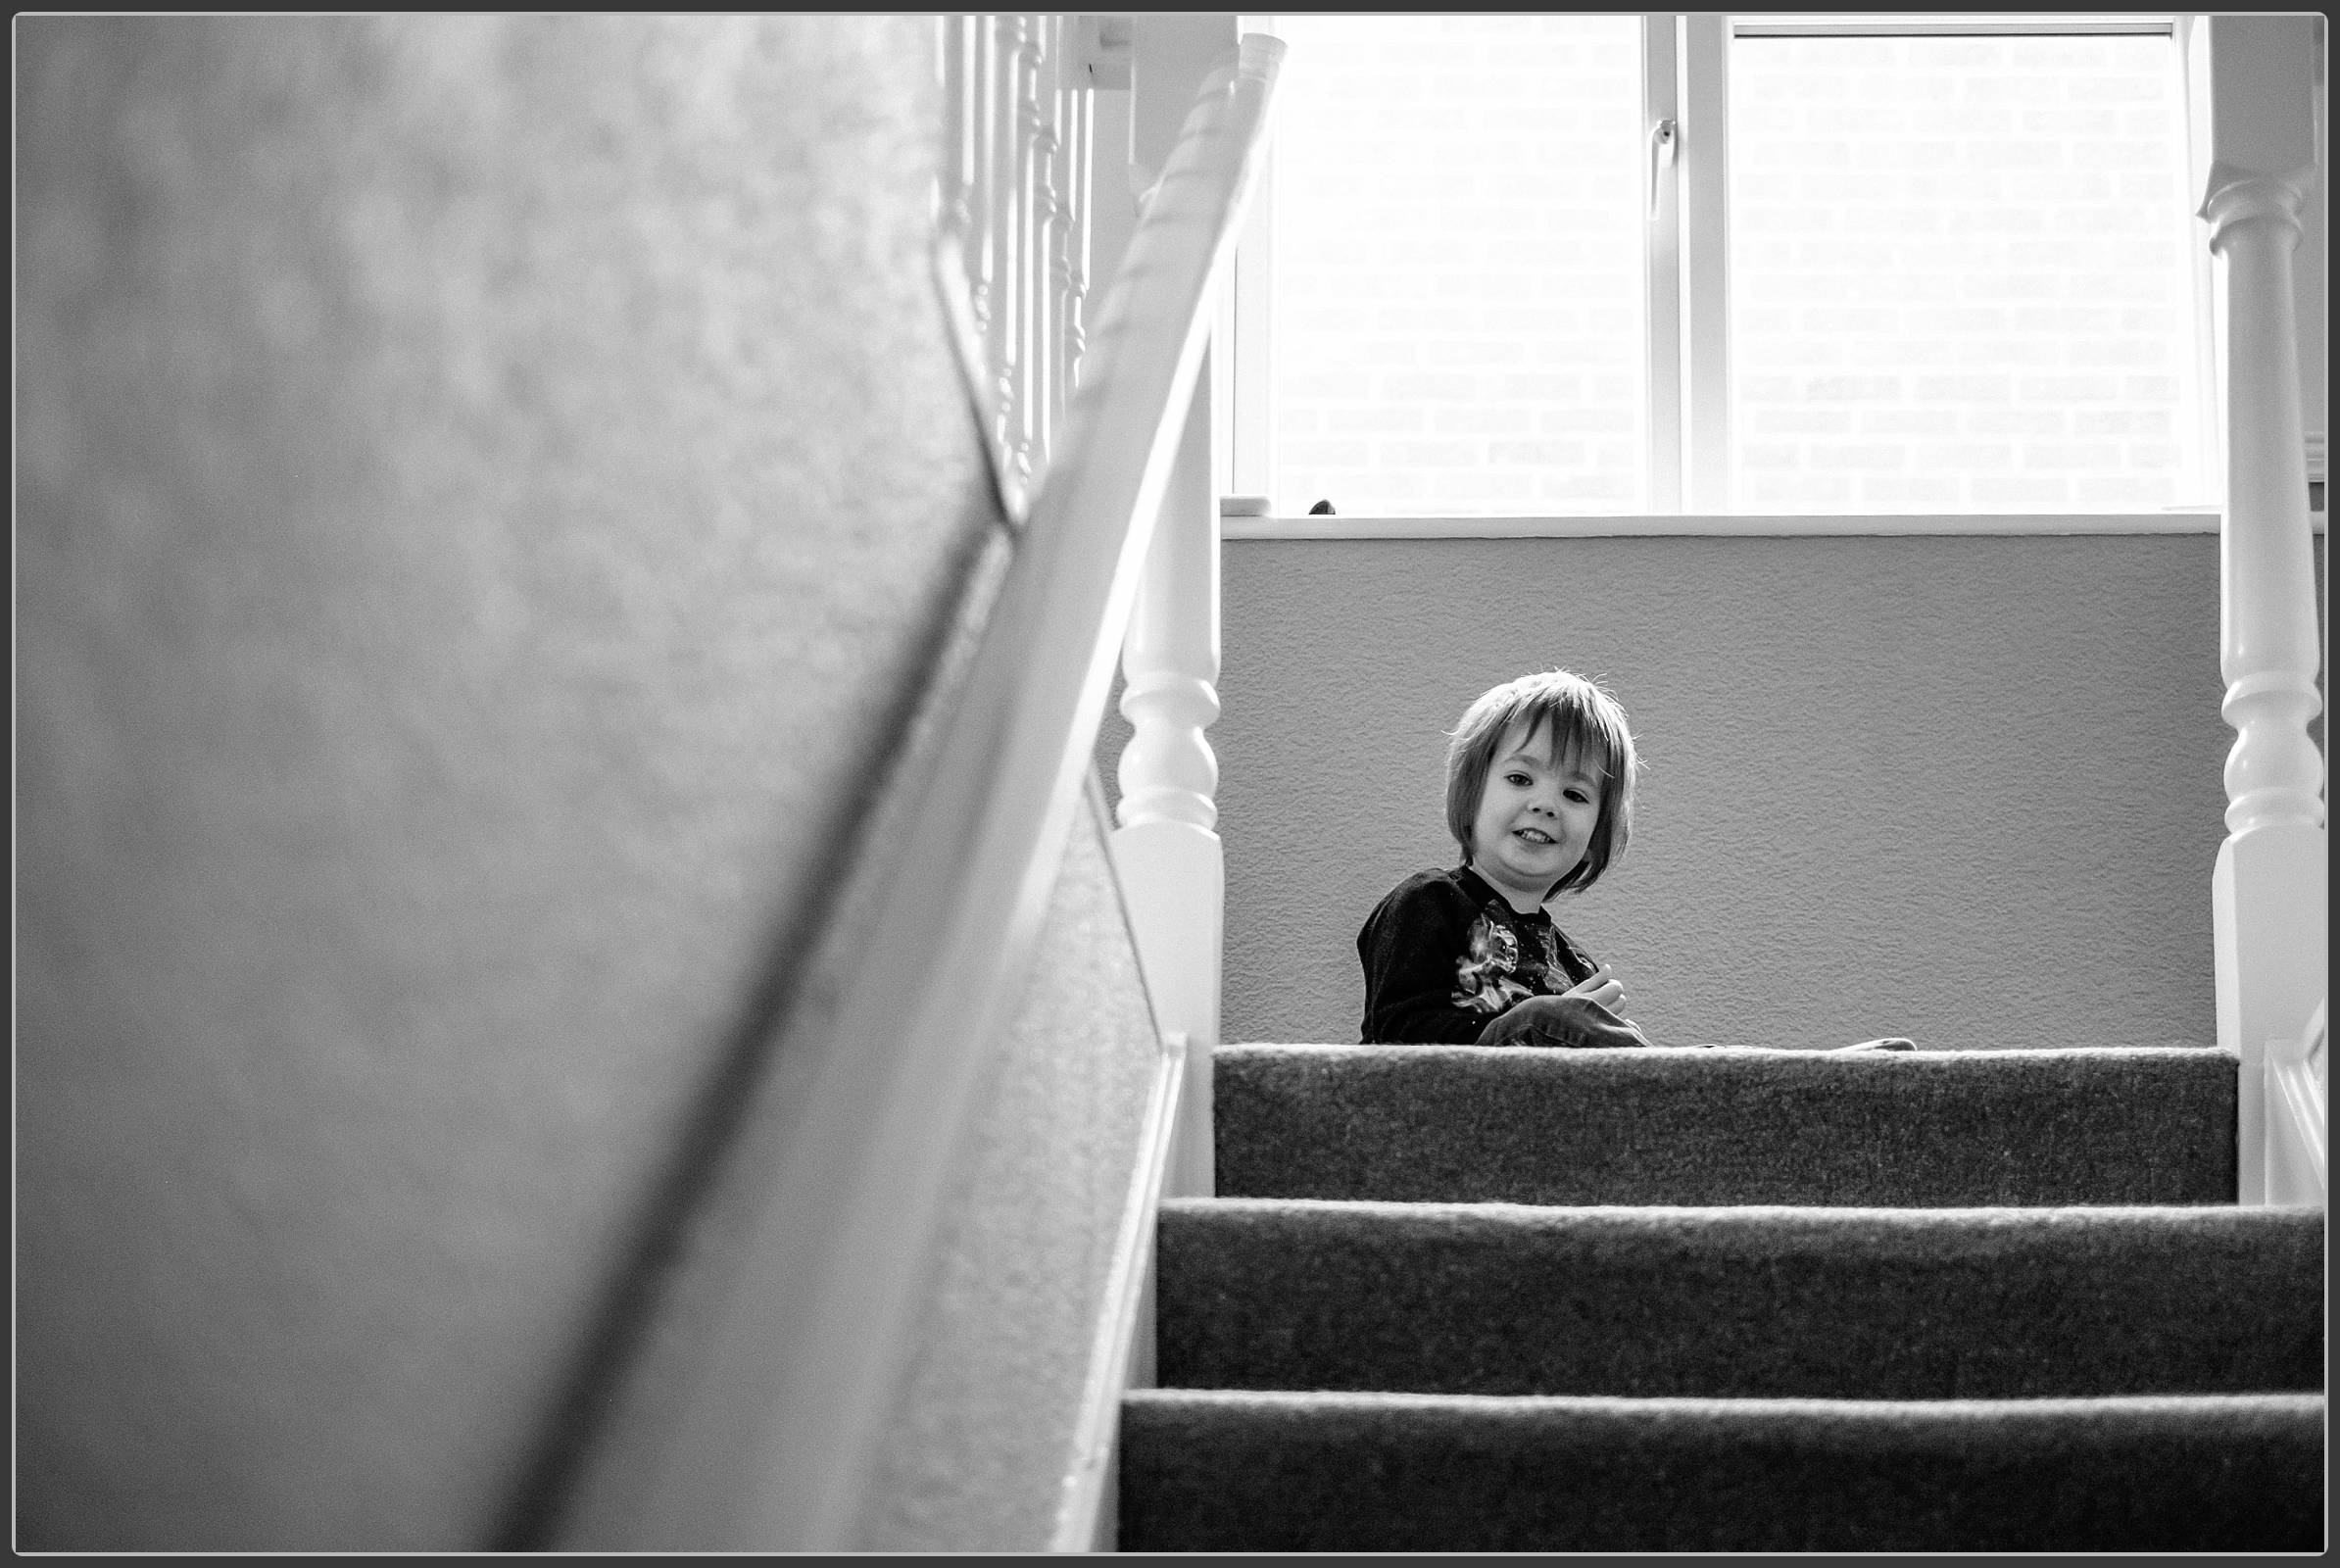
[(1215, 1470), (1930, 1128), (1508, 1299), (1473, 1299)]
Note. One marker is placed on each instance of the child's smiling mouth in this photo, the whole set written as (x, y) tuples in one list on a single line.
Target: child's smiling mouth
[(1534, 835)]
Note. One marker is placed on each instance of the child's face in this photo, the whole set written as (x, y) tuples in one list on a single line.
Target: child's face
[(1535, 817)]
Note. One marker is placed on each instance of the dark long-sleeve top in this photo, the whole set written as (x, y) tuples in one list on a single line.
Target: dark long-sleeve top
[(1445, 953)]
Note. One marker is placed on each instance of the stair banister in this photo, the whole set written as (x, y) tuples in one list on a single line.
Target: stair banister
[(775, 1439), (1012, 231), (2269, 883), (1167, 855)]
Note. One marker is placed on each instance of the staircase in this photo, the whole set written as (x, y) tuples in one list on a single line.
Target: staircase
[(1462, 1298)]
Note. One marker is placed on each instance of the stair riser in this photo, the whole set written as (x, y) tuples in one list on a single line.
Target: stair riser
[(1927, 1129), (1219, 1474), (1738, 1303)]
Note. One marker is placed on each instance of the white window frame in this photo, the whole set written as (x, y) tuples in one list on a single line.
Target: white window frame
[(1243, 365), (1696, 201), (1687, 254)]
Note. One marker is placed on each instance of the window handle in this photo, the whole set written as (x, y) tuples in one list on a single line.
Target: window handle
[(1661, 137)]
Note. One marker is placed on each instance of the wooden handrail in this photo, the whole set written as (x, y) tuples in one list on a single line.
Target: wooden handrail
[(776, 1443)]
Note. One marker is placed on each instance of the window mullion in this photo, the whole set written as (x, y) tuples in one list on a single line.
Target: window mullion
[(1251, 354), (1704, 159), (2206, 440), (1661, 134), (1243, 347)]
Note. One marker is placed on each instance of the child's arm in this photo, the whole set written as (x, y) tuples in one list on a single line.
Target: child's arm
[(1410, 946)]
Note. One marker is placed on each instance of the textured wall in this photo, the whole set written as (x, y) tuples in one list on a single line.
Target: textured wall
[(1962, 789), (484, 485), (982, 1441)]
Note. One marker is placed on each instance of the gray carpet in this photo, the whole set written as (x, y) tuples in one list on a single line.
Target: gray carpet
[(1752, 1301), (1417, 1472), (1834, 1303), (1948, 1128)]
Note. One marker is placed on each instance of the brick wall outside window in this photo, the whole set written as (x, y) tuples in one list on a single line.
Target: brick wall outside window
[(1959, 270), (1959, 275), (1458, 314)]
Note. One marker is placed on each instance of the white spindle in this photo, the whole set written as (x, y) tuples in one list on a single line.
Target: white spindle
[(1048, 212), (1108, 200), (1063, 103), (2268, 887), (1013, 199), (1023, 141), (954, 194), (983, 184), (1081, 104), (1008, 207)]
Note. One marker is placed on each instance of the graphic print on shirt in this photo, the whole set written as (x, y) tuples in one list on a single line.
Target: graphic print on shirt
[(1554, 976), (1483, 980), (1490, 977)]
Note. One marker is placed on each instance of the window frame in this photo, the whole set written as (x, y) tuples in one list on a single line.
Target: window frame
[(1687, 276)]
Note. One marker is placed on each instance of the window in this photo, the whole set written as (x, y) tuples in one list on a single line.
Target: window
[(1593, 264), (1458, 311)]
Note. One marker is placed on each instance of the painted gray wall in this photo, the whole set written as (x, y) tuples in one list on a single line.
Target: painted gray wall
[(1964, 789), (487, 487)]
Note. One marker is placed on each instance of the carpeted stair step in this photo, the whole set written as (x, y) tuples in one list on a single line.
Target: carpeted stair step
[(1209, 1471), (1867, 1128), (1744, 1301)]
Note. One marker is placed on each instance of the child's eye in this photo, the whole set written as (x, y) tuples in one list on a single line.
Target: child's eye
[(1519, 781)]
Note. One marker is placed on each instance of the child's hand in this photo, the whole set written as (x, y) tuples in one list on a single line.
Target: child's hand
[(1602, 987)]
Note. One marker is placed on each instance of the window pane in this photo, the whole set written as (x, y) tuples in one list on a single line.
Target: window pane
[(1958, 276), (1458, 255)]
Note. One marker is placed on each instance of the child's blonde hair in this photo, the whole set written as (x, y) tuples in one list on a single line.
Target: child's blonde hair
[(1585, 721)]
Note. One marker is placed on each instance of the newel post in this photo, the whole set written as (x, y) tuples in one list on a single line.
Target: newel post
[(1173, 867), (2268, 891), (1166, 851)]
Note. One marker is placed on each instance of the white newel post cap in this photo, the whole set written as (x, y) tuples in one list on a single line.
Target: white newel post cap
[(2252, 82)]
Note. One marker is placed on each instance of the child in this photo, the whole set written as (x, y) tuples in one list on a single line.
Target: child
[(1539, 793)]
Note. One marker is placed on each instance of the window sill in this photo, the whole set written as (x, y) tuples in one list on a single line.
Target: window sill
[(1815, 526)]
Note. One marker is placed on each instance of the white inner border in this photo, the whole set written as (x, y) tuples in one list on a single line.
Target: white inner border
[(1727, 524)]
